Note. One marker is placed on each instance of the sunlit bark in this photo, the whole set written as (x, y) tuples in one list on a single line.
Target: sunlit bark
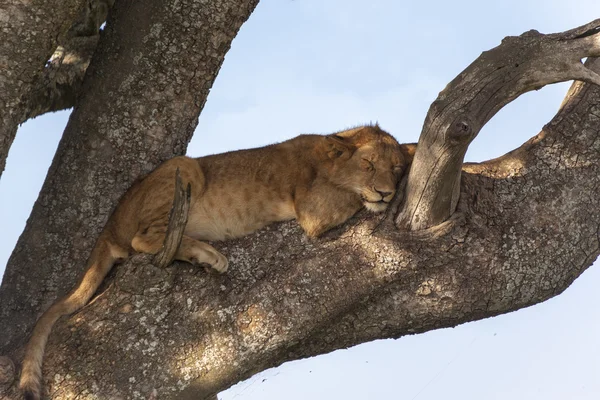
[(525, 226)]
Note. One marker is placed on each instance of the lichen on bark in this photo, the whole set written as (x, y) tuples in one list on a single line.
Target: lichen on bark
[(123, 126), (526, 225)]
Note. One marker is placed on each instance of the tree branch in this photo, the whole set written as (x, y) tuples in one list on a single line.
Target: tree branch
[(44, 64), (519, 65), (527, 225), (60, 83), (30, 32), (133, 113), (177, 221)]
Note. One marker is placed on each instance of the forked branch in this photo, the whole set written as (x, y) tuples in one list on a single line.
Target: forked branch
[(60, 82), (180, 333), (518, 65)]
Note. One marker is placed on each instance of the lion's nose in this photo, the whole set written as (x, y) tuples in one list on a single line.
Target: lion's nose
[(384, 194)]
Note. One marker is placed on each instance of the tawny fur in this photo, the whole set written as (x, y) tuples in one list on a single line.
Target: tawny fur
[(319, 180)]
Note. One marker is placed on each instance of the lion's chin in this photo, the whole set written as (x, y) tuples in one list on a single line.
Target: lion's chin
[(375, 206)]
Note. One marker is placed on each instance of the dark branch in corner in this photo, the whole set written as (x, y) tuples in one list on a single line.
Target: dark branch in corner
[(177, 222), (59, 85), (518, 65)]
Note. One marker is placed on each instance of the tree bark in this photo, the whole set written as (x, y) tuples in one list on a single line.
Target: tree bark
[(526, 225), (60, 82), (140, 103), (30, 32), (178, 218), (33, 83), (519, 65)]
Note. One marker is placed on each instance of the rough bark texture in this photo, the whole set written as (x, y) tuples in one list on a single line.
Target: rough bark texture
[(60, 82), (155, 64), (519, 65), (29, 33), (527, 224), (177, 221)]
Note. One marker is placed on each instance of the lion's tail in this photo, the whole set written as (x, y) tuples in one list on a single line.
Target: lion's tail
[(102, 259)]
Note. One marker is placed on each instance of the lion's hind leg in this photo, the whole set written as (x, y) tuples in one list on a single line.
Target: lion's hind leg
[(150, 241)]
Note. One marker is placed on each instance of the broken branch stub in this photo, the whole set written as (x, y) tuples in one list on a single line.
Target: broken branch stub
[(518, 65), (177, 222)]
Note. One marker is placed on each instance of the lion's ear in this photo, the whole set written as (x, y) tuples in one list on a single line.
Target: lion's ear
[(338, 147), (408, 151)]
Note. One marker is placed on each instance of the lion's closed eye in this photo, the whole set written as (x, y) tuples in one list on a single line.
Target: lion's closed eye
[(367, 165)]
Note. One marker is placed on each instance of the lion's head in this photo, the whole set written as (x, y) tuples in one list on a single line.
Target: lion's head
[(369, 162)]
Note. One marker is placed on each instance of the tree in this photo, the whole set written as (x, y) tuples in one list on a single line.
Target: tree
[(486, 259)]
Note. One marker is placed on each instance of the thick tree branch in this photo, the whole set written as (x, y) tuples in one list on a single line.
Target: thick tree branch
[(30, 85), (60, 82), (30, 34), (526, 226), (519, 65), (139, 106)]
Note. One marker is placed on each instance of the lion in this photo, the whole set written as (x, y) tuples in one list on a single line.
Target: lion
[(319, 180)]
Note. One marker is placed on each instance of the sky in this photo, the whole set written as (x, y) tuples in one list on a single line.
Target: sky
[(318, 66)]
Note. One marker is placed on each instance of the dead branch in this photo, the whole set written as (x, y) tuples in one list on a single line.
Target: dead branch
[(177, 222), (519, 65)]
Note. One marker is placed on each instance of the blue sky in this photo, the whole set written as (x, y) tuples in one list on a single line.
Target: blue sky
[(307, 66)]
